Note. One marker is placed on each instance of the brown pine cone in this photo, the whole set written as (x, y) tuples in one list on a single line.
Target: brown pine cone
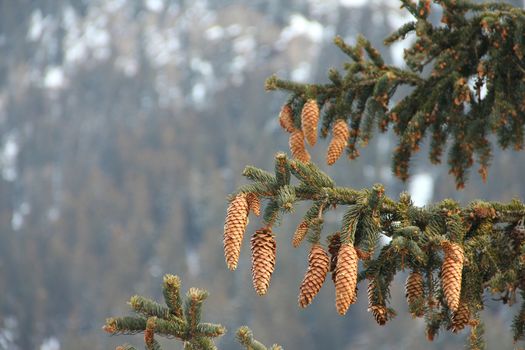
[(286, 118), (460, 318), (309, 120), (318, 265), (415, 291), (334, 243), (234, 227), (254, 203), (451, 272), (300, 233), (379, 311), (263, 259), (297, 146), (340, 134), (346, 278)]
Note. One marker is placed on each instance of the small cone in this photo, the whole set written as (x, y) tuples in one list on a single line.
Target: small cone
[(346, 278), (254, 203), (297, 146), (340, 134), (300, 233), (234, 227), (286, 118), (309, 121), (415, 291), (460, 318), (451, 272), (334, 243), (318, 265), (379, 311), (263, 259)]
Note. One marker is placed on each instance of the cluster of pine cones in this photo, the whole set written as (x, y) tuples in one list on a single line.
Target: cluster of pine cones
[(341, 260), (308, 131)]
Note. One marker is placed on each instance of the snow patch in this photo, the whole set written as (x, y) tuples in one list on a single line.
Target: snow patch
[(50, 343), (54, 77), (421, 189), (300, 26), (154, 5)]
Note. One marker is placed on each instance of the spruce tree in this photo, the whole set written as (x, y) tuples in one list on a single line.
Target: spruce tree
[(466, 90)]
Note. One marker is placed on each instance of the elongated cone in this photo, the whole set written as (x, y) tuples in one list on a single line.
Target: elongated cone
[(451, 272), (309, 121), (334, 243), (340, 134), (254, 203), (346, 278), (460, 318), (234, 227), (297, 146), (286, 118), (263, 259), (415, 291), (379, 311), (300, 233), (318, 265)]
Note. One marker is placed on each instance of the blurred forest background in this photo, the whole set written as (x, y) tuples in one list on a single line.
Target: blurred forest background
[(124, 124)]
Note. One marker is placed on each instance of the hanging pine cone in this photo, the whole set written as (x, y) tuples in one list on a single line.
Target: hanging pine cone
[(318, 265), (451, 272), (254, 203), (263, 259), (297, 146), (460, 318), (300, 233), (234, 227), (377, 309), (414, 293), (340, 134), (286, 118), (346, 278), (334, 243), (309, 121)]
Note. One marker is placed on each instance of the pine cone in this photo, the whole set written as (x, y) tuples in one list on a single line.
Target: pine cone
[(297, 146), (340, 134), (415, 291), (460, 318), (346, 278), (334, 243), (309, 121), (263, 259), (286, 118), (451, 271), (378, 310), (300, 233), (234, 227), (318, 265), (254, 203)]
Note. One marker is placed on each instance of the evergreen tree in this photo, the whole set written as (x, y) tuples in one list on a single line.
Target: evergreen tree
[(466, 79)]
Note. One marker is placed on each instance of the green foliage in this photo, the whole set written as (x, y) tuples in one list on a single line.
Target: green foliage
[(466, 78), (491, 234), (175, 321)]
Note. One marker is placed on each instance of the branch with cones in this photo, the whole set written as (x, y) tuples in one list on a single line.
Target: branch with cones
[(454, 254)]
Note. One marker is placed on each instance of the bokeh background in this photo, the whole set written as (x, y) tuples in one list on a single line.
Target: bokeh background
[(124, 124)]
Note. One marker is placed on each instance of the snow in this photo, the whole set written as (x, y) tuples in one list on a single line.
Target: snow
[(300, 26), (36, 26), (214, 33), (50, 343), (154, 5), (353, 3), (421, 188), (54, 77), (8, 158), (302, 72)]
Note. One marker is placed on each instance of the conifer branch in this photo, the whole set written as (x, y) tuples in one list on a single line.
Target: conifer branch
[(459, 252), (477, 47)]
